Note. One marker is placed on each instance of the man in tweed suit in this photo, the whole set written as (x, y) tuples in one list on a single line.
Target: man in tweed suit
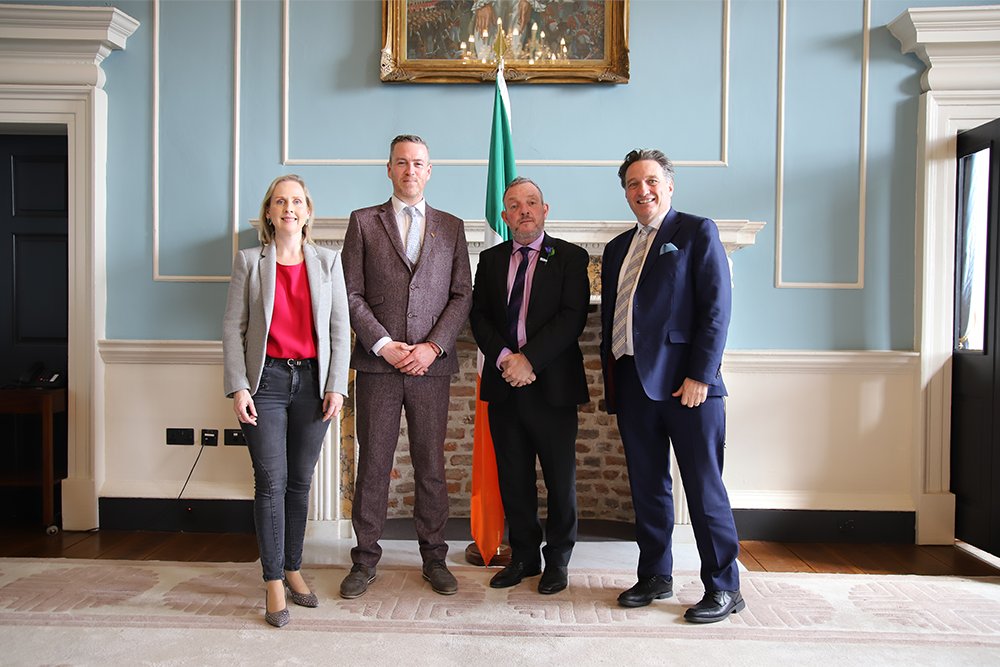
[(409, 289)]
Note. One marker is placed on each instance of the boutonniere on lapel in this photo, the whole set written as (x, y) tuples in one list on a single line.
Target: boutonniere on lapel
[(667, 248), (547, 253)]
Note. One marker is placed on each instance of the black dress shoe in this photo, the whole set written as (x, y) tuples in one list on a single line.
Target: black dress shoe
[(513, 574), (647, 590), (715, 606), (553, 580)]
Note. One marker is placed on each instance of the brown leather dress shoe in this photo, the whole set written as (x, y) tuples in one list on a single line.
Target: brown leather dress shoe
[(356, 583), (715, 606), (442, 581), (647, 590)]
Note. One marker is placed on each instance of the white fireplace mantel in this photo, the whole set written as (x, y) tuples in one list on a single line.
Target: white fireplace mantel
[(593, 235)]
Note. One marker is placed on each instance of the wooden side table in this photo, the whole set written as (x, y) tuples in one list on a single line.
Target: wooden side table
[(44, 402)]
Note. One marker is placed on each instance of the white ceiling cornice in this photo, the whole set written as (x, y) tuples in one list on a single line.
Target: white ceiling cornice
[(959, 45), (59, 45)]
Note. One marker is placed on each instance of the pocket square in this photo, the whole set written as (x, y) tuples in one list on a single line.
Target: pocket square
[(667, 247)]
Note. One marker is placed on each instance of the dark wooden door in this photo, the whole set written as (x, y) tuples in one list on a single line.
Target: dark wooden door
[(33, 256), (34, 309), (975, 414)]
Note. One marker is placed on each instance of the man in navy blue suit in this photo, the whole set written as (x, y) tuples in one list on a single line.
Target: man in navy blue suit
[(666, 299)]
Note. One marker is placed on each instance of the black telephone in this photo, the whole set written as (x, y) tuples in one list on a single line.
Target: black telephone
[(38, 377)]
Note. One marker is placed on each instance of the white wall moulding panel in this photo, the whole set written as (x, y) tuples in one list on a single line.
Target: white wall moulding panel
[(50, 75), (160, 384), (195, 352), (287, 159), (820, 430), (779, 205), (961, 47), (234, 160), (821, 361)]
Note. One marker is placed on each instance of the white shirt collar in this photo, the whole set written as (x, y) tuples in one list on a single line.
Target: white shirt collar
[(398, 205)]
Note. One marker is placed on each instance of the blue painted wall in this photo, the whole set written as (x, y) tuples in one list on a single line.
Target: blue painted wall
[(338, 109)]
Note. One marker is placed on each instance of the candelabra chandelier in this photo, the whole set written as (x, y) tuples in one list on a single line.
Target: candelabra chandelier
[(513, 47)]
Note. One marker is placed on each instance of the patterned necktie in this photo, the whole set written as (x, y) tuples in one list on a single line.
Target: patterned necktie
[(516, 299), (619, 327), (413, 236)]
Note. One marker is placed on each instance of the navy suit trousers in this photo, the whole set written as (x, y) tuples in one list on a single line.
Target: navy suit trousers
[(648, 429)]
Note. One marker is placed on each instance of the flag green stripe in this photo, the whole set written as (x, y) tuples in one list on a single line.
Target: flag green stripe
[(502, 169)]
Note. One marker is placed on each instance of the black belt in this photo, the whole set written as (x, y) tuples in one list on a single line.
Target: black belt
[(291, 363)]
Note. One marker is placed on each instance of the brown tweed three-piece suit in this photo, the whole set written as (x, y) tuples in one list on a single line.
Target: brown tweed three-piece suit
[(428, 301)]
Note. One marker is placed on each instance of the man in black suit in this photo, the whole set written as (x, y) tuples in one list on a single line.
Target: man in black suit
[(529, 307)]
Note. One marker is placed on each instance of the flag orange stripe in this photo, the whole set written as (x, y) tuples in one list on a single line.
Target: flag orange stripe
[(486, 508)]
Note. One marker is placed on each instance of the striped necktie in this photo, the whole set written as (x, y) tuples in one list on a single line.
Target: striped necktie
[(619, 327)]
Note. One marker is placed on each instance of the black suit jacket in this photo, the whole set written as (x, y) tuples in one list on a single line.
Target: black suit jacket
[(557, 314)]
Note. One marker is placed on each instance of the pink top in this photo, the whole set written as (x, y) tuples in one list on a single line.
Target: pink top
[(291, 332)]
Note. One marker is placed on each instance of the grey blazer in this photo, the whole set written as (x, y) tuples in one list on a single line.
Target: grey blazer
[(388, 296), (248, 317)]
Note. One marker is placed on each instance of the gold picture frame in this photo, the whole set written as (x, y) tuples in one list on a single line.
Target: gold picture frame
[(459, 41)]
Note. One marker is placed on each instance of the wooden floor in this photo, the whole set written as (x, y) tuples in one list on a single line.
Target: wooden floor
[(863, 559), (755, 556)]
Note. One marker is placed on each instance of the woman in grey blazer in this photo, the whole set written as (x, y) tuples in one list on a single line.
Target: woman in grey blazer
[(286, 348)]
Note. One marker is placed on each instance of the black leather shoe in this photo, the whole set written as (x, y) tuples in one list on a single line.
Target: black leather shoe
[(442, 581), (647, 590), (513, 574), (553, 580), (715, 606)]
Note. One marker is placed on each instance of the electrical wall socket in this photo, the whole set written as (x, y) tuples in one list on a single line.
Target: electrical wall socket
[(234, 436), (180, 436), (209, 437)]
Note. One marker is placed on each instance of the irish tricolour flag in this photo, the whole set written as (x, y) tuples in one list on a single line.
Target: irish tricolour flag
[(487, 510)]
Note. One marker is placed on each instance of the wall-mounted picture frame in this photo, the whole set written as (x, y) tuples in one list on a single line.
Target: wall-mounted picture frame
[(541, 41)]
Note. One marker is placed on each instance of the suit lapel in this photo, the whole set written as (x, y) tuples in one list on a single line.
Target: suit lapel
[(314, 272), (268, 275), (432, 229), (666, 232), (540, 278), (388, 218), (616, 258), (500, 269)]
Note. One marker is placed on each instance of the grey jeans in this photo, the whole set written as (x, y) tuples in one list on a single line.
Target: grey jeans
[(284, 448)]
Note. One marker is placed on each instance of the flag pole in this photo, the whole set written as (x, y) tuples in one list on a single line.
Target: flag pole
[(486, 508)]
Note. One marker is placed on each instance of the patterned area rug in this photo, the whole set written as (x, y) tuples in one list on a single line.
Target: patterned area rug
[(110, 612)]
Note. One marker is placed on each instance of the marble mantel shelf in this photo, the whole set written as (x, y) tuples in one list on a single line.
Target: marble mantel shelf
[(591, 234)]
